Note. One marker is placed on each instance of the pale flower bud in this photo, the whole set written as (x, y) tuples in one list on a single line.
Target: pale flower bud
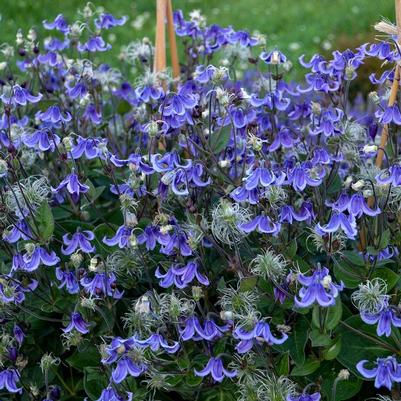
[(370, 148), (343, 374), (358, 185)]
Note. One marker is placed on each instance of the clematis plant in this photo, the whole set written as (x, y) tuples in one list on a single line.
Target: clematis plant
[(226, 234)]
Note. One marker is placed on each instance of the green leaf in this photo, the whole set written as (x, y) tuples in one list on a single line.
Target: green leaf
[(218, 141), (306, 369), (84, 358), (94, 382), (123, 107), (248, 284), (333, 350), (387, 275), (45, 221), (330, 316), (319, 339), (350, 275), (283, 364)]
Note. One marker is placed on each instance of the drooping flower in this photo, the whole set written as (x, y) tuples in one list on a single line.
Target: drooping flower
[(155, 341), (54, 115), (68, 280), (317, 288), (101, 284), (262, 224), (9, 379), (121, 238), (391, 114), (80, 240), (386, 372), (78, 323), (384, 318), (73, 186), (126, 366), (19, 96), (181, 277), (107, 21), (216, 369), (259, 334), (339, 221), (391, 176)]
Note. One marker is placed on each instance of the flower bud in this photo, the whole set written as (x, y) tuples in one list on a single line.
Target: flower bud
[(358, 185), (67, 142), (197, 293), (47, 361), (316, 108), (374, 97), (370, 148), (349, 72), (343, 374), (226, 315), (93, 264), (76, 259)]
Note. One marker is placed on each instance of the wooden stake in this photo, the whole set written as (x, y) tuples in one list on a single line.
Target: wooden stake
[(164, 14), (160, 41), (173, 44)]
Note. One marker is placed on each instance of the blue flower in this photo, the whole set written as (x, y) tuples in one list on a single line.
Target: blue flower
[(262, 224), (391, 176), (94, 44), (42, 139), (181, 277), (80, 240), (155, 341), (273, 57), (386, 371), (31, 260), (101, 284), (19, 334), (68, 280), (20, 96), (107, 21), (78, 323), (385, 318), (259, 334), (339, 221), (193, 330), (59, 24), (391, 114), (125, 366), (121, 238), (54, 115), (73, 186), (20, 230), (9, 379), (317, 288), (301, 176), (215, 368)]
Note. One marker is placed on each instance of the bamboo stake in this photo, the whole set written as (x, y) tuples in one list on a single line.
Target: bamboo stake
[(384, 134), (164, 13), (160, 41), (173, 44)]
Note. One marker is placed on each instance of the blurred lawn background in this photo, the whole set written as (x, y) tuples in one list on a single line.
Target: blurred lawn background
[(294, 26)]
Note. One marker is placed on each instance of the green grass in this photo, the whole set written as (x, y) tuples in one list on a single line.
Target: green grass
[(295, 26)]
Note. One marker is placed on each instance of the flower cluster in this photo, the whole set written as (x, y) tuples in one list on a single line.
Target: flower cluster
[(227, 234)]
